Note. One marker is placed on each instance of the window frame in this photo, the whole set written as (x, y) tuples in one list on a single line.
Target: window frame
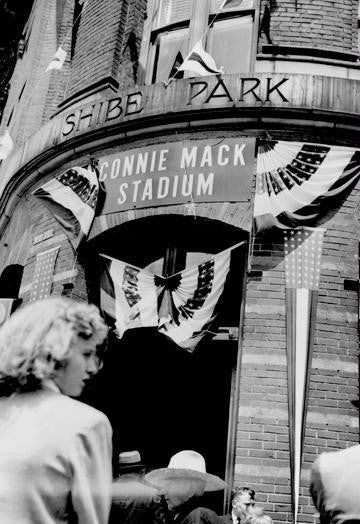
[(202, 15)]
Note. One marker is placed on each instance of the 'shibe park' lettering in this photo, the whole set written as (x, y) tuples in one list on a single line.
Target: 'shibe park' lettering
[(176, 172)]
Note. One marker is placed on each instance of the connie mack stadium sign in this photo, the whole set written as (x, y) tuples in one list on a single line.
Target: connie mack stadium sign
[(209, 170)]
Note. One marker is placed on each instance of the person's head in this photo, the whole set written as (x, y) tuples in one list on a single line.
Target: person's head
[(51, 339), (129, 462), (242, 500), (184, 478), (178, 491)]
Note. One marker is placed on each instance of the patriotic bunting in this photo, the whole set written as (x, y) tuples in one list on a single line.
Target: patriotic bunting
[(193, 295), (71, 197), (181, 306), (303, 248), (58, 60), (294, 179), (43, 274), (6, 145), (200, 62), (128, 295)]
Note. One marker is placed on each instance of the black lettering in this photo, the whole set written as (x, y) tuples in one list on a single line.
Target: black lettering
[(250, 90), (134, 100), (225, 93), (275, 88), (70, 121), (191, 89), (113, 105), (85, 117)]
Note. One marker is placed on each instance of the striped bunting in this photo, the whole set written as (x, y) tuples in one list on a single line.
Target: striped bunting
[(128, 295), (303, 248), (195, 294), (181, 306), (294, 181), (200, 62), (71, 198)]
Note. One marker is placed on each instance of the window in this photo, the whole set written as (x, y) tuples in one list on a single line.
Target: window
[(174, 26)]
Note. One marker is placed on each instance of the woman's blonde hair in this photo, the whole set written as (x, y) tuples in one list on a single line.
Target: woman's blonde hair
[(36, 340)]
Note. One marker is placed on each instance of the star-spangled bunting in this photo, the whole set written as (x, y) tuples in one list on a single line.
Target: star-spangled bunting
[(71, 197), (296, 180), (181, 306), (303, 249), (43, 274)]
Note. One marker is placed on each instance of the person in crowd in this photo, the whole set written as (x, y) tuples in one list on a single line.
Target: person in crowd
[(242, 506), (334, 485), (135, 500), (55, 460), (182, 484)]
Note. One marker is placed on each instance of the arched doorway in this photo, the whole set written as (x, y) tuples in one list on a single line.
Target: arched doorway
[(160, 398)]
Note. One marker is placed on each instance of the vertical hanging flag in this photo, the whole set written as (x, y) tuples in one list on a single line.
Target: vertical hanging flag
[(58, 60), (6, 145), (200, 62), (303, 248), (43, 274), (128, 295), (71, 197)]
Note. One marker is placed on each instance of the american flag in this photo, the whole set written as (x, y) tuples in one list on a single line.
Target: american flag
[(296, 180), (303, 249), (43, 274), (71, 197)]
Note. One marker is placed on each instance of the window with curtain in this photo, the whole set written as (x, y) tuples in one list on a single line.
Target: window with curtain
[(174, 26)]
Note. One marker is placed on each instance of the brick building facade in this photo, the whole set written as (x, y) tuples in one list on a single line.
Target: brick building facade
[(298, 80)]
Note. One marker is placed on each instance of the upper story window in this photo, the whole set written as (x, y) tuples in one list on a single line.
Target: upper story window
[(174, 26)]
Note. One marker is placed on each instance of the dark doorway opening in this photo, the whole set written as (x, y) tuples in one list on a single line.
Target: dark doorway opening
[(160, 398)]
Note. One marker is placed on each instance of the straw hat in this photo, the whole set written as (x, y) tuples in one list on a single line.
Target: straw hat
[(129, 460), (186, 464)]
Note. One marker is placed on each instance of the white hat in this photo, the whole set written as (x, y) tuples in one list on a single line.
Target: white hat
[(129, 459), (186, 464)]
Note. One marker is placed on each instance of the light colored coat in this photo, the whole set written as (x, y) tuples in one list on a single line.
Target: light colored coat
[(334, 485), (55, 460)]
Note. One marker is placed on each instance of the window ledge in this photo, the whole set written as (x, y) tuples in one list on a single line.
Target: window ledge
[(308, 59), (312, 52)]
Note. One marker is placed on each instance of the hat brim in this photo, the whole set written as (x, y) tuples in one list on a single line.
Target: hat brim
[(159, 477)]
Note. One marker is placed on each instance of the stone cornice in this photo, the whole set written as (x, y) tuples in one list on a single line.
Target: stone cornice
[(244, 101)]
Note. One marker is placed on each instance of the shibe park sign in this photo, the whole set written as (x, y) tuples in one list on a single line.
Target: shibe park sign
[(210, 170)]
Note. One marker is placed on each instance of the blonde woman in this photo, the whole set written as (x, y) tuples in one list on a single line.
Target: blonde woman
[(55, 452)]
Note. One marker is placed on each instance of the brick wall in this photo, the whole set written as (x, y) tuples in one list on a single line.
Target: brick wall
[(262, 455), (313, 24), (34, 94)]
